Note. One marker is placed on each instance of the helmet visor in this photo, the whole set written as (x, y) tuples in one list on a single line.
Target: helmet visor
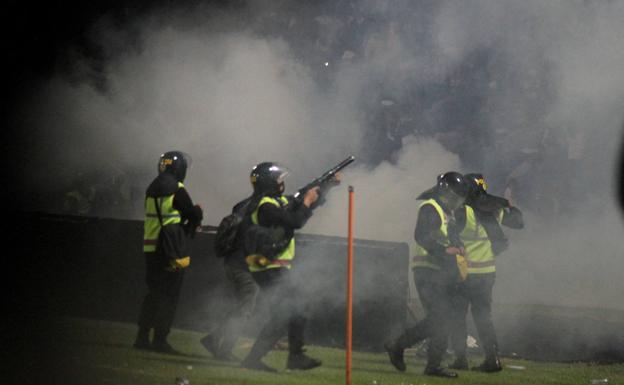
[(280, 172), (187, 158)]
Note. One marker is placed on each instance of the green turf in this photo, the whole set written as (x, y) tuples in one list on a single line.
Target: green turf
[(99, 352)]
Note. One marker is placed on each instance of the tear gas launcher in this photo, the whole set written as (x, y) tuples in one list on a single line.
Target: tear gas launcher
[(325, 181)]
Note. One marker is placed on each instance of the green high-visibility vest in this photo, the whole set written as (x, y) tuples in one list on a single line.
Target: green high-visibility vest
[(151, 225), (284, 259), (420, 256), (477, 244)]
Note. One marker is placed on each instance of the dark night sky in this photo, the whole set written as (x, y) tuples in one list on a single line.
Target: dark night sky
[(36, 35)]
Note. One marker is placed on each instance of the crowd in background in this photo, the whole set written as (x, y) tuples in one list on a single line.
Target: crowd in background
[(455, 107), (112, 194)]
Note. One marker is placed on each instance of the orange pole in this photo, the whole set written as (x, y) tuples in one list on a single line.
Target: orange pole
[(349, 326)]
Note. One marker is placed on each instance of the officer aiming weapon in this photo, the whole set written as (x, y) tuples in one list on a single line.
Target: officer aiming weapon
[(325, 181)]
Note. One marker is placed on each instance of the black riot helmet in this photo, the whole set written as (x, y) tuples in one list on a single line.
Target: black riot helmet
[(268, 178), (175, 163), (452, 189), (478, 196), (476, 184)]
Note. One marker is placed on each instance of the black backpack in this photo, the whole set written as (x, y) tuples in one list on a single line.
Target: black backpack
[(227, 232), (256, 239)]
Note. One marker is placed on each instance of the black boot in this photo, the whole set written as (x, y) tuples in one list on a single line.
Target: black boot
[(161, 345), (210, 343), (164, 347), (261, 347), (395, 353), (142, 340), (461, 363), (301, 361), (439, 372), (491, 364), (227, 345)]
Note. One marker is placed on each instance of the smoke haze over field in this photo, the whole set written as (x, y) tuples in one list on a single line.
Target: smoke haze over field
[(530, 93)]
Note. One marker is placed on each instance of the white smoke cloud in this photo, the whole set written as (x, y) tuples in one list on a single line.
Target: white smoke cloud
[(385, 205), (233, 97), (229, 100)]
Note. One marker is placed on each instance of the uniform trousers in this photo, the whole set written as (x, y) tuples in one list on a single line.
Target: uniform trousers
[(436, 290), (475, 293), (159, 305), (246, 291), (287, 312)]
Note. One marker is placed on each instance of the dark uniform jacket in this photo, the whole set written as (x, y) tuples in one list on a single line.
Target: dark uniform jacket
[(486, 208), (428, 224), (290, 217), (166, 184)]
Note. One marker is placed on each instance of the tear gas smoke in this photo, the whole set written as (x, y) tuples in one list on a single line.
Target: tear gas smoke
[(528, 93)]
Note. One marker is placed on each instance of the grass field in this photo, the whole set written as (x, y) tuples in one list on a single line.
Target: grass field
[(100, 352)]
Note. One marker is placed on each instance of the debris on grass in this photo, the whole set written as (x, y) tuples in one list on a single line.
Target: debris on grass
[(471, 342)]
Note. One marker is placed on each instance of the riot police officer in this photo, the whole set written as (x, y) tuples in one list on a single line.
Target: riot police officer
[(167, 205), (285, 214), (483, 239), (222, 339), (436, 272)]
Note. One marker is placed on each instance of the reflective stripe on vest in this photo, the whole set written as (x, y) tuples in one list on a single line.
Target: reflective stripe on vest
[(285, 258), (477, 244), (151, 225), (420, 256)]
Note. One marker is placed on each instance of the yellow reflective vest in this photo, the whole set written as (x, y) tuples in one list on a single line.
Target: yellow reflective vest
[(151, 225), (477, 244), (284, 259), (420, 256)]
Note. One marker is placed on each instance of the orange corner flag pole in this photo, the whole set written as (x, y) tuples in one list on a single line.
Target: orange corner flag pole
[(349, 326)]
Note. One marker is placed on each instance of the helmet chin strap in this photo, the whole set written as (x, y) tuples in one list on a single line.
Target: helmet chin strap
[(270, 192)]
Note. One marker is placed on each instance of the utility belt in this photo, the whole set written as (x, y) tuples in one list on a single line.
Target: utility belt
[(179, 263), (482, 267), (260, 261), (476, 264), (420, 261), (462, 264), (169, 264)]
